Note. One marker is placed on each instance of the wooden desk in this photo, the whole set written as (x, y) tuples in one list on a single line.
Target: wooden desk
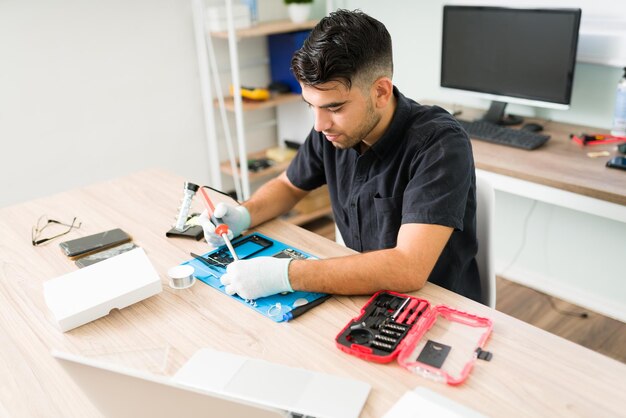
[(532, 373), (560, 163)]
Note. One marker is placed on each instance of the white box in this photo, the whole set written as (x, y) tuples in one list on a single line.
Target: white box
[(90, 293), (216, 17)]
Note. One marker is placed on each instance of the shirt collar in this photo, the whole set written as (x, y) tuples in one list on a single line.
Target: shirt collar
[(394, 133)]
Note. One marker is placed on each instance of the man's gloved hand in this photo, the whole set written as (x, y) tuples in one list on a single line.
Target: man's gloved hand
[(236, 217), (257, 277)]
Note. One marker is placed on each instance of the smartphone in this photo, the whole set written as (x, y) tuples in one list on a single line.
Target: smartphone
[(83, 246), (104, 254), (245, 247), (617, 162)]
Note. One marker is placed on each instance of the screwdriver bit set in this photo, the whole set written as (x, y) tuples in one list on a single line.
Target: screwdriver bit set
[(385, 321), (438, 342)]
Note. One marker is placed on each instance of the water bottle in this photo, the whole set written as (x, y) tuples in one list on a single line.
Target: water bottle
[(619, 119)]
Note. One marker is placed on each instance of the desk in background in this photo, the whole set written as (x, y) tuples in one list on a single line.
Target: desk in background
[(575, 180), (575, 240), (532, 373)]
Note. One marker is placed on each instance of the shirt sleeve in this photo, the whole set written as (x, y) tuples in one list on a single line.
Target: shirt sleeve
[(442, 176), (306, 170)]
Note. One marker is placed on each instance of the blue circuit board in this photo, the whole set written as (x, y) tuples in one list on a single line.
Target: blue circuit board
[(213, 266)]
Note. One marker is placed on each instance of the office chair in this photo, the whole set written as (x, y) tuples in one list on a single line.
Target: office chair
[(485, 215)]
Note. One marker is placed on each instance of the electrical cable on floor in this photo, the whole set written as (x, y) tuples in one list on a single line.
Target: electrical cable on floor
[(523, 243), (519, 252), (582, 315)]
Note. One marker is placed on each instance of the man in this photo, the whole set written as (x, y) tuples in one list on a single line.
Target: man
[(400, 176)]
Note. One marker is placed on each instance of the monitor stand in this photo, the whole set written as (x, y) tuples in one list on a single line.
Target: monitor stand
[(495, 115)]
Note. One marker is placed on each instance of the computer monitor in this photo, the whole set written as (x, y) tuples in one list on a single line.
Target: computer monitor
[(524, 56)]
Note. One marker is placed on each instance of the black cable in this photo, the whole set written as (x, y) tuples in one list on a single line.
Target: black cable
[(227, 194), (582, 315)]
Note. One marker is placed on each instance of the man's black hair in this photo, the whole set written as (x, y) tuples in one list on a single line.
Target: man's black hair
[(346, 46)]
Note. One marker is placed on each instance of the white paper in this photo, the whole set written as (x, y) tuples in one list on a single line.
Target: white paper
[(422, 402)]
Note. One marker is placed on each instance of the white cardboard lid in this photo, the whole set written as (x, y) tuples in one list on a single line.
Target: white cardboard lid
[(90, 293)]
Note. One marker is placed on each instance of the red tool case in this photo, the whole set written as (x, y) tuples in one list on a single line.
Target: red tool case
[(437, 342)]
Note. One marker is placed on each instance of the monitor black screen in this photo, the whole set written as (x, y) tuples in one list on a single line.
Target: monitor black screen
[(528, 54)]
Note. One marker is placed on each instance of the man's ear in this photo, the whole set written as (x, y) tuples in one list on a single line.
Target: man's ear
[(382, 91)]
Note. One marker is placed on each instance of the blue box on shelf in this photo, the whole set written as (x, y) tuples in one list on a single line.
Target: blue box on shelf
[(282, 47)]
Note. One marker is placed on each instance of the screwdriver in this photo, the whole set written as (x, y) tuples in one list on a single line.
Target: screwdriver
[(220, 227)]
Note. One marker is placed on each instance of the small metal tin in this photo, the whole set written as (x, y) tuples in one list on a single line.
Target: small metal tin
[(181, 277)]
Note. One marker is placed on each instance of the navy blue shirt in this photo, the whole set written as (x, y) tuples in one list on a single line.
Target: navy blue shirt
[(420, 171)]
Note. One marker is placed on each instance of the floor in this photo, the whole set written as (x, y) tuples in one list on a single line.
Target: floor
[(593, 330), (589, 329)]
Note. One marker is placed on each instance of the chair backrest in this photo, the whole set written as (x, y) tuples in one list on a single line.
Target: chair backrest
[(485, 211)]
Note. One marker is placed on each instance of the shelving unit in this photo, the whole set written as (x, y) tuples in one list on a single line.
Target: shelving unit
[(274, 170), (234, 104), (268, 28), (315, 205), (274, 101), (301, 218)]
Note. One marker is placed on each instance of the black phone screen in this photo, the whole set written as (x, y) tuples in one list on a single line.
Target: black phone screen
[(95, 242), (617, 162), (245, 247)]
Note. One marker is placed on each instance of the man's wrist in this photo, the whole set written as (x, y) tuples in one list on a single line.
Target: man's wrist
[(287, 279), (295, 274), (246, 217)]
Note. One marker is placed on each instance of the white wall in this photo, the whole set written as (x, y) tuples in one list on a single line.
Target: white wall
[(576, 256), (91, 90)]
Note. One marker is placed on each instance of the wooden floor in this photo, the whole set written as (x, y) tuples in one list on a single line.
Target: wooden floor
[(595, 331)]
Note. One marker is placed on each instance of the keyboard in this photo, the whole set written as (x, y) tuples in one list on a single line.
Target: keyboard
[(496, 134)]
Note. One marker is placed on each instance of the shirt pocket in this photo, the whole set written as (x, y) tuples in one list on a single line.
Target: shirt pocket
[(388, 219)]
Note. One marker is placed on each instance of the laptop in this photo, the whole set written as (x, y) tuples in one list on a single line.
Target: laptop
[(215, 383), (119, 392)]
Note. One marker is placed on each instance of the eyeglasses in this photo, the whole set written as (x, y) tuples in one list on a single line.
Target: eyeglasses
[(44, 222)]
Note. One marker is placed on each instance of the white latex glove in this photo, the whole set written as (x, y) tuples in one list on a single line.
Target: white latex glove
[(236, 217), (257, 277)]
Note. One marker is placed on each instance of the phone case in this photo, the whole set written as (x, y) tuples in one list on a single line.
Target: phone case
[(440, 343)]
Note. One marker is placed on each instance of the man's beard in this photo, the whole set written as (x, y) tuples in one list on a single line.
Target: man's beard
[(370, 121)]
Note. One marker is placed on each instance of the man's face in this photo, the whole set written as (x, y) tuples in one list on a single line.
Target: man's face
[(345, 117)]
